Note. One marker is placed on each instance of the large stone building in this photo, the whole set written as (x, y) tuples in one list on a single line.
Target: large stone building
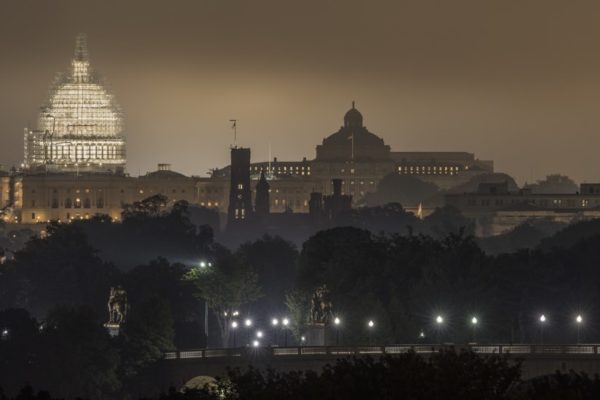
[(74, 164), (496, 210)]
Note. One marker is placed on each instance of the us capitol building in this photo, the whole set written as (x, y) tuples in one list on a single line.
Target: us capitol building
[(74, 162)]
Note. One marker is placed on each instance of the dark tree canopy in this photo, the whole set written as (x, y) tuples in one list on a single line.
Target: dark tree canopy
[(404, 189)]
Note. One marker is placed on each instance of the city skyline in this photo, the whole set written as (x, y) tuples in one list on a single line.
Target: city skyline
[(422, 84)]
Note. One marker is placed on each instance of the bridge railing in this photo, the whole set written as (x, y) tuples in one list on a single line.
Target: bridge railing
[(516, 349)]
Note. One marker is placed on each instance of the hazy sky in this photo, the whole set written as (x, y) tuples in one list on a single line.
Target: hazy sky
[(513, 81)]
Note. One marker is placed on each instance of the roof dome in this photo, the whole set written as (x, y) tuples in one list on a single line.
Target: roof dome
[(353, 118), (79, 104), (80, 125)]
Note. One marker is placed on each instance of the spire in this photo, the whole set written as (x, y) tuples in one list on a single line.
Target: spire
[(353, 104), (81, 51)]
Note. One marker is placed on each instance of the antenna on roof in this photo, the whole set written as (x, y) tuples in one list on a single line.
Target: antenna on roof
[(234, 127)]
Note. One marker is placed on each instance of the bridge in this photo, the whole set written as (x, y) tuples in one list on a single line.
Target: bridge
[(179, 367)]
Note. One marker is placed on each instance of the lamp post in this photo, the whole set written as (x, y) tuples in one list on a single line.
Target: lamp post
[(474, 323), (578, 321), (542, 323), (275, 324), (234, 326), (336, 324), (248, 324), (439, 320), (370, 326), (285, 322)]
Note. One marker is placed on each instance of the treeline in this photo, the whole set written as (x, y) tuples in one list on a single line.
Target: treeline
[(59, 284)]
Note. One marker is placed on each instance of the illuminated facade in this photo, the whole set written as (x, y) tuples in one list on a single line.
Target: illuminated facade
[(80, 126)]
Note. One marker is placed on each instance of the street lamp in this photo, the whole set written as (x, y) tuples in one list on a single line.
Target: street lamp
[(370, 326), (4, 334), (259, 334), (474, 323), (439, 320), (579, 321), (542, 323), (336, 323), (203, 264), (285, 322), (248, 324), (255, 343), (275, 324), (234, 326)]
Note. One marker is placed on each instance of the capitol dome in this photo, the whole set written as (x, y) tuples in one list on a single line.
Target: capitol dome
[(80, 126)]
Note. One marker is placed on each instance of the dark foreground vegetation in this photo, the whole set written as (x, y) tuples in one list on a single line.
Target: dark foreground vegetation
[(54, 290), (447, 375)]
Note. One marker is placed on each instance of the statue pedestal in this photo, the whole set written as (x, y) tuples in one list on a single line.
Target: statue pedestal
[(315, 336), (113, 329)]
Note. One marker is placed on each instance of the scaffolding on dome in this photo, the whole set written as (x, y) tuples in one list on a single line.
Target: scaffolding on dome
[(80, 126)]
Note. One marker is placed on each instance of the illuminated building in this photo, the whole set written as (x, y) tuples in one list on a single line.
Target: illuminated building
[(74, 165), (495, 209), (79, 127)]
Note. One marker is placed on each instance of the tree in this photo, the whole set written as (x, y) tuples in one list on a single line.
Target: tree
[(76, 357), (274, 261), (145, 336), (161, 279), (61, 269), (151, 228), (404, 189), (227, 286), (554, 184)]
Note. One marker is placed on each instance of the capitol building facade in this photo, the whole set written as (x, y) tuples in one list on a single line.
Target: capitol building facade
[(74, 162)]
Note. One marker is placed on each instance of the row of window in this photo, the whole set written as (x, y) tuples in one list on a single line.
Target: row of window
[(428, 170), (570, 203)]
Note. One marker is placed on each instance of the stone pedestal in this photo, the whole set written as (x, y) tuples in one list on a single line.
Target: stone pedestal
[(113, 329), (315, 336)]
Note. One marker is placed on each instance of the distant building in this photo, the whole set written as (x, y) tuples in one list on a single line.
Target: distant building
[(74, 165), (497, 210)]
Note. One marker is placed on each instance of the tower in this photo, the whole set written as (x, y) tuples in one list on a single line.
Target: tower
[(262, 202), (240, 195)]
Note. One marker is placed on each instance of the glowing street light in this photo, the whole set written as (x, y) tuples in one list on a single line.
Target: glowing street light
[(274, 322), (336, 323), (542, 318), (439, 320), (259, 334), (542, 323), (248, 324), (370, 326), (234, 326), (255, 343), (474, 323), (579, 321), (285, 322)]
